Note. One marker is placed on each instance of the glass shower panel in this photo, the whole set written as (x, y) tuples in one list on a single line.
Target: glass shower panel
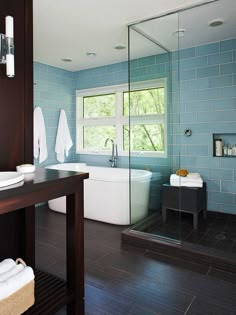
[(207, 50), (153, 111)]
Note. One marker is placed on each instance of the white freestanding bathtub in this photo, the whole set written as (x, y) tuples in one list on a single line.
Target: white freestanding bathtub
[(106, 193)]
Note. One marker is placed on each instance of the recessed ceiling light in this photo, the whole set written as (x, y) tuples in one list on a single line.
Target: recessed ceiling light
[(66, 59), (180, 32), (120, 47), (91, 54), (216, 22)]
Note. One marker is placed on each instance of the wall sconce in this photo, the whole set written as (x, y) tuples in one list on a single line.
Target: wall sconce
[(7, 47)]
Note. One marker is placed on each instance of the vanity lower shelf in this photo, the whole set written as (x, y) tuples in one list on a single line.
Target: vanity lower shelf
[(51, 294)]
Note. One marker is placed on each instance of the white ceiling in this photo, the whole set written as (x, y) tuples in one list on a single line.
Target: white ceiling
[(71, 28)]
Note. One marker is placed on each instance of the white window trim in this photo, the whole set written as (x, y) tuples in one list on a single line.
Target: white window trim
[(118, 120)]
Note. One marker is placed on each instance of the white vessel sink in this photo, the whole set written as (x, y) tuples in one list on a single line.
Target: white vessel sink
[(10, 178)]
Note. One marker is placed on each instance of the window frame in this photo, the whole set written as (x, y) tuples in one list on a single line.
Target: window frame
[(119, 120)]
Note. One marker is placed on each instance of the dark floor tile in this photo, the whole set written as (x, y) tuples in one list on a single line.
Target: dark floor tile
[(179, 263), (62, 311), (49, 236), (94, 250), (137, 310), (46, 254), (222, 275), (97, 301), (183, 280), (122, 280), (201, 306), (133, 288)]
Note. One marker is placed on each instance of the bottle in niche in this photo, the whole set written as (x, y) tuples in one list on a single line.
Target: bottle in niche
[(229, 150), (225, 149), (218, 147), (234, 150)]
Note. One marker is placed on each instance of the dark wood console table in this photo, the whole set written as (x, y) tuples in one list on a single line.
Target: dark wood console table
[(51, 292)]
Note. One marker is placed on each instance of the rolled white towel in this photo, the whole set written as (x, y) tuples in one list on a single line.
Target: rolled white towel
[(11, 272), (6, 264), (16, 282)]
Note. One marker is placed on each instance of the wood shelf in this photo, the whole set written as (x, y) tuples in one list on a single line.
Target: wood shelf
[(51, 294), (45, 184)]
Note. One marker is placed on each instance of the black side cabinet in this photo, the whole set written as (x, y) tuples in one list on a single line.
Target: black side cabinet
[(184, 199)]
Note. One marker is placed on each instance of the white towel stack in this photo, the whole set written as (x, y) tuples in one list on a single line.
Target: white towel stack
[(13, 277), (40, 142), (191, 180), (63, 140)]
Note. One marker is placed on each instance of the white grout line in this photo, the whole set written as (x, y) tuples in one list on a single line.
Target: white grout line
[(208, 271), (189, 305)]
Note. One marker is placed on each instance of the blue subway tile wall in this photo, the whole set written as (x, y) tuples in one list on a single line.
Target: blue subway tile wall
[(202, 97), (213, 110), (54, 89)]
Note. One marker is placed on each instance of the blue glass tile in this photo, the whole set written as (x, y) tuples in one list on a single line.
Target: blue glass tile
[(220, 58), (229, 44), (138, 72), (197, 150), (225, 80), (114, 67), (146, 61), (208, 71), (228, 91), (162, 58), (155, 69), (228, 186), (185, 53), (99, 70), (228, 68), (187, 74), (220, 197), (196, 62), (40, 66), (207, 49), (197, 84), (221, 174), (208, 162), (208, 94)]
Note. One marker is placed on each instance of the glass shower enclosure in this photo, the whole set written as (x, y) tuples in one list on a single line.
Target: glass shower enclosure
[(182, 92)]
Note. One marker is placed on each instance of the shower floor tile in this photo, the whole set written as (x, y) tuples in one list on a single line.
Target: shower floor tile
[(216, 233)]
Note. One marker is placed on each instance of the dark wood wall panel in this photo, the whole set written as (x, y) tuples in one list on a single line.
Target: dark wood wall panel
[(16, 116)]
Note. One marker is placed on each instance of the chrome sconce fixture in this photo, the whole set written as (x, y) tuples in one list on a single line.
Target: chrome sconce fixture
[(7, 47)]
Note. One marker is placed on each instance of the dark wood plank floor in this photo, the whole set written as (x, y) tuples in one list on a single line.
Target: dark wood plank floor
[(127, 280)]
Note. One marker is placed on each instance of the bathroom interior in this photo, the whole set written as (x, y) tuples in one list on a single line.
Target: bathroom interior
[(176, 78), (125, 121)]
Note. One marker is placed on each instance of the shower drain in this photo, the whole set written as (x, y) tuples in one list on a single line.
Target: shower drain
[(220, 237)]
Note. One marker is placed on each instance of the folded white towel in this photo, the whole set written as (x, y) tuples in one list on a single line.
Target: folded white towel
[(63, 140), (189, 184), (193, 175), (11, 272), (6, 265), (186, 178), (16, 282), (40, 142)]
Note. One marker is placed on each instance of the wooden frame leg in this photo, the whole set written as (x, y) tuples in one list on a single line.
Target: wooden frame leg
[(164, 214), (75, 250), (195, 221), (29, 255)]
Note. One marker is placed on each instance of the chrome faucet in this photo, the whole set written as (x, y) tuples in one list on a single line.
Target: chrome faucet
[(114, 153)]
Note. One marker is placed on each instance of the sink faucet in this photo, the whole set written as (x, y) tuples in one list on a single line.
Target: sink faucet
[(114, 152)]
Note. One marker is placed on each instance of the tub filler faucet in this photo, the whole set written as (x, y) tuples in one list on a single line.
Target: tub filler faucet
[(114, 153)]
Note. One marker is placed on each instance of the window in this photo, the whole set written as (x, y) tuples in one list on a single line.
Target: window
[(135, 120)]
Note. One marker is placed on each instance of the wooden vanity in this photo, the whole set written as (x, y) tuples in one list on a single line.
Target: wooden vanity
[(51, 292)]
